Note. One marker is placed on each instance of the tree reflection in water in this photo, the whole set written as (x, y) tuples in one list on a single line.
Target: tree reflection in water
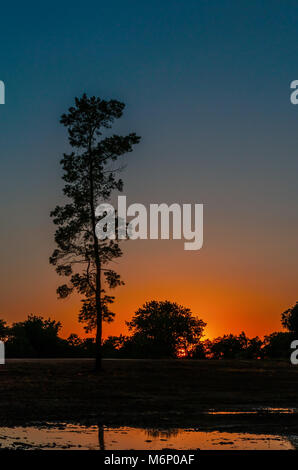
[(153, 433), (162, 433), (101, 440)]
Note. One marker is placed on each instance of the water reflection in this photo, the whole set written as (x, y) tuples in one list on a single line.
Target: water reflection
[(67, 436), (101, 438), (162, 433), (254, 411)]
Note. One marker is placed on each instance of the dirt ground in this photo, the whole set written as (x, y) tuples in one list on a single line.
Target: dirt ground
[(156, 393)]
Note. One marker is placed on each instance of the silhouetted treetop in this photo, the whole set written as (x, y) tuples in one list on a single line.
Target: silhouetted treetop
[(289, 319), (166, 327)]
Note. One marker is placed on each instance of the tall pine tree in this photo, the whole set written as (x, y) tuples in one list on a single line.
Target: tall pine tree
[(90, 178)]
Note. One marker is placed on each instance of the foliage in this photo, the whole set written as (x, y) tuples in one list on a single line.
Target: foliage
[(232, 346), (3, 330), (289, 319), (34, 337), (277, 345), (165, 329)]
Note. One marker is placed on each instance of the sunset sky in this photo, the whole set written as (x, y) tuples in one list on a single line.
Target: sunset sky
[(207, 86)]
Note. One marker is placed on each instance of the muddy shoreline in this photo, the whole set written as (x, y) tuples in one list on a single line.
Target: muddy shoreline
[(158, 394)]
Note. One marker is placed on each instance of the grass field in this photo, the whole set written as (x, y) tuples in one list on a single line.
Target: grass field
[(148, 393)]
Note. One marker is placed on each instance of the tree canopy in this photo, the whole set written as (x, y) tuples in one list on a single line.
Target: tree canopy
[(166, 328), (289, 319)]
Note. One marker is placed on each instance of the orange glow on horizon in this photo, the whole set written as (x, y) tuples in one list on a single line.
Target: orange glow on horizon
[(230, 294)]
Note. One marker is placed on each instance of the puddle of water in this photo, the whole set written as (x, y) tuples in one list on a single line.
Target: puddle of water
[(211, 412), (67, 436), (278, 410), (254, 411)]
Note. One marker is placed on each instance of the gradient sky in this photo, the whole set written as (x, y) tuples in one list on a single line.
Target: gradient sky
[(207, 86)]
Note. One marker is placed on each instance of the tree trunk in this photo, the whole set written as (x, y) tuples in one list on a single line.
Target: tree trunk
[(98, 305), (98, 357)]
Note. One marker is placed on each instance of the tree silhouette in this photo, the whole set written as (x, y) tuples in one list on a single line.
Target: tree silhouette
[(35, 337), (289, 319), (165, 328), (277, 345), (90, 179), (101, 437), (3, 329), (232, 346)]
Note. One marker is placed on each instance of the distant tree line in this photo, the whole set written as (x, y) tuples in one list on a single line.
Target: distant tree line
[(37, 337), (159, 329)]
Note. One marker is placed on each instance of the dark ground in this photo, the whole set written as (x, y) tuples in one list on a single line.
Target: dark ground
[(159, 393)]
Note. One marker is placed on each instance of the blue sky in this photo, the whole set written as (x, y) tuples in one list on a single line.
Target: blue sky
[(207, 86)]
